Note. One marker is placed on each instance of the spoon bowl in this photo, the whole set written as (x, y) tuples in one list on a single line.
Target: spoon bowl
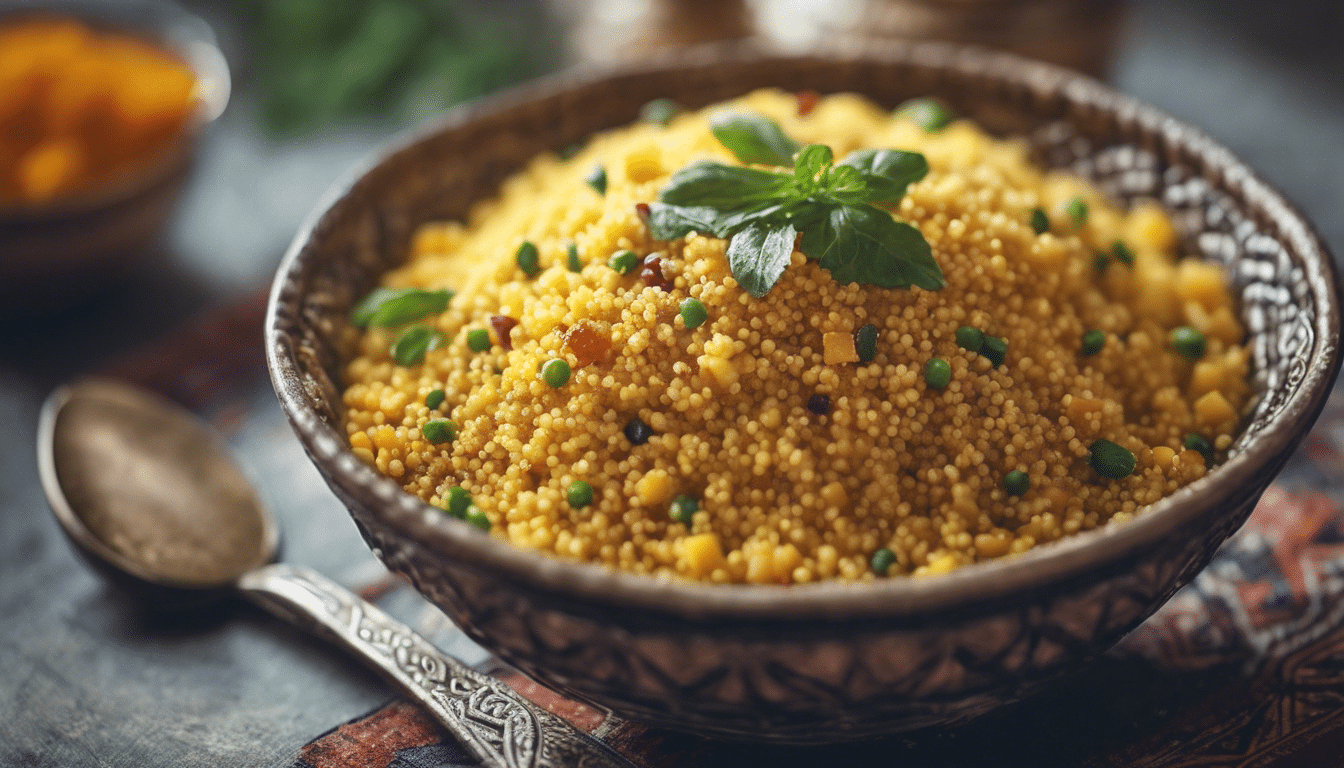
[(149, 494)]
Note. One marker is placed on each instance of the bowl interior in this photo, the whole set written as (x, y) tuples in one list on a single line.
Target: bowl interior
[(1280, 271)]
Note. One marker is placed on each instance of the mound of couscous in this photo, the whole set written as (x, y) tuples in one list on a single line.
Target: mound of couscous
[(552, 372)]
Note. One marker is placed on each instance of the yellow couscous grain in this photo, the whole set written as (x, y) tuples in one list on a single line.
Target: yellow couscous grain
[(802, 462)]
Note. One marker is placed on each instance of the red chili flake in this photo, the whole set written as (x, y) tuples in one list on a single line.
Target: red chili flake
[(807, 101), (643, 210), (652, 273), (502, 324), (587, 343)]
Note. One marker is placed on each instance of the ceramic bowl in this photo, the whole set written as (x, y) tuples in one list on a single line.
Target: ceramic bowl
[(828, 661), (54, 253)]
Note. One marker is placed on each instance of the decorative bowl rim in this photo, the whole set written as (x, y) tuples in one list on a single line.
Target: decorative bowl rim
[(894, 598)]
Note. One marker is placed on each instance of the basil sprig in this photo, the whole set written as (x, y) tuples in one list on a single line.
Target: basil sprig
[(830, 203), (752, 137), (395, 307)]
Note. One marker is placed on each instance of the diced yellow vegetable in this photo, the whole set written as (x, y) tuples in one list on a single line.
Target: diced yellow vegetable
[(1208, 375), (1212, 411), (1163, 456), (702, 553), (839, 348), (654, 488), (1201, 282), (1149, 227)]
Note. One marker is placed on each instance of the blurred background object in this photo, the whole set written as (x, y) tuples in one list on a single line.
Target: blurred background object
[(101, 106), (319, 62), (1082, 34), (607, 31)]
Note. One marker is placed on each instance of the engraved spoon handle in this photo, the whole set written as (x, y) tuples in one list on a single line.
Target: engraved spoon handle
[(490, 719)]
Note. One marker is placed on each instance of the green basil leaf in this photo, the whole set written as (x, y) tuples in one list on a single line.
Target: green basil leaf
[(708, 183), (759, 254), (888, 172), (818, 236), (811, 161), (870, 247), (411, 346), (731, 221), (392, 307), (668, 222), (753, 138), (847, 184), (363, 312)]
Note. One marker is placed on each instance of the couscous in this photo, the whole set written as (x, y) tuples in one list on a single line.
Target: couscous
[(765, 406)]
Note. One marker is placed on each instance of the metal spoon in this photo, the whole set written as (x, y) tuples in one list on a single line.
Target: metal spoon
[(150, 495)]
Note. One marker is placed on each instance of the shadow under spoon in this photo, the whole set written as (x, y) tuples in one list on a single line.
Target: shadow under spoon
[(150, 495)]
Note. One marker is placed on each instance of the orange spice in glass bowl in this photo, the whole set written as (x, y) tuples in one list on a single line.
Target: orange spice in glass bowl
[(79, 106), (99, 116)]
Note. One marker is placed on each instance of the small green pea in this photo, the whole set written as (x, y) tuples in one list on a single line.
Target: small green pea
[(572, 257), (1194, 442), (478, 340), (1110, 459), (476, 516), (995, 350), (1040, 223), (458, 501), (881, 561), (438, 431), (937, 373), (865, 343), (683, 509), (1017, 483), (928, 113), (624, 261), (527, 258), (597, 179), (555, 373), (693, 313), (1188, 341), (1100, 261), (1093, 341), (970, 338), (1122, 253), (1076, 209), (435, 398), (659, 111), (579, 494)]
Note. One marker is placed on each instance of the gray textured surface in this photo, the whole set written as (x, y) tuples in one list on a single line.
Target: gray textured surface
[(86, 681)]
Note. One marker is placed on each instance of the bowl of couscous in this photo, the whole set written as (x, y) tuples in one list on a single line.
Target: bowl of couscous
[(803, 398)]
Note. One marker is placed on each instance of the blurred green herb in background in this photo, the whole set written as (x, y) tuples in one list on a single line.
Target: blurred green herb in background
[(320, 62)]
